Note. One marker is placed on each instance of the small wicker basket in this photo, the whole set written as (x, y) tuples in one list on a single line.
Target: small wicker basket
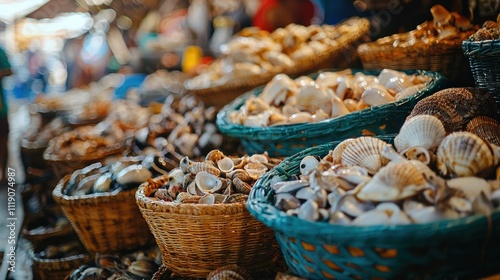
[(41, 240), (484, 60), (196, 239), (107, 222), (466, 248), (52, 269)]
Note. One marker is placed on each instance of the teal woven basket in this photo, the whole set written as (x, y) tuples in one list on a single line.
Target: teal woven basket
[(484, 60), (465, 248), (286, 140)]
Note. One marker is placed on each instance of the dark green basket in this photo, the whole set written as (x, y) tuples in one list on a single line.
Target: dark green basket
[(484, 60), (465, 248), (286, 140)]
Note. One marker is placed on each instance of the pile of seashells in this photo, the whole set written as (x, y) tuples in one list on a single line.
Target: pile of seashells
[(332, 94), (432, 174), (253, 52), (124, 174), (217, 179), (137, 265), (489, 31)]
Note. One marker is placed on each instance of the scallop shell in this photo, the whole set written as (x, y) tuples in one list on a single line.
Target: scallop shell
[(485, 127), (464, 154), (366, 152), (339, 150), (312, 97), (394, 182), (424, 131), (456, 106)]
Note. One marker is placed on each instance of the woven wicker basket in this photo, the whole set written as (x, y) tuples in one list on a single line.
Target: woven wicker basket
[(286, 140), (107, 222), (52, 269), (465, 248), (196, 239), (41, 240), (340, 55), (484, 60)]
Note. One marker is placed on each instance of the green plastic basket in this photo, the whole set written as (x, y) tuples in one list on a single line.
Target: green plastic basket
[(484, 60), (286, 140), (465, 248)]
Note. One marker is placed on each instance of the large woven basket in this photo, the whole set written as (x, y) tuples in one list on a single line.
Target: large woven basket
[(465, 248), (484, 60), (286, 140), (107, 222), (52, 269), (196, 239), (341, 55)]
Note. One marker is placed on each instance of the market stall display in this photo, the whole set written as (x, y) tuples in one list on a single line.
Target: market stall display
[(434, 45), (253, 57), (287, 139), (198, 217), (422, 207)]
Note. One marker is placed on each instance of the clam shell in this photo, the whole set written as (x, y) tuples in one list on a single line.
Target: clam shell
[(393, 182), (225, 164), (286, 201), (207, 182), (485, 127), (464, 154), (365, 152), (424, 131), (375, 96)]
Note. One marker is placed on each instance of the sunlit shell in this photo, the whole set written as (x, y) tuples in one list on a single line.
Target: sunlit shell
[(384, 214), (424, 131), (395, 181), (255, 169), (307, 164), (338, 108), (409, 91), (207, 182), (464, 154), (339, 150), (300, 117), (386, 75), (312, 97), (485, 127), (366, 152), (375, 96), (225, 164), (350, 104)]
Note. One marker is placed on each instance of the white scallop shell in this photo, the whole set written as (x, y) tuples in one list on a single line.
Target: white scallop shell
[(375, 96), (366, 152), (464, 154), (339, 150), (424, 131)]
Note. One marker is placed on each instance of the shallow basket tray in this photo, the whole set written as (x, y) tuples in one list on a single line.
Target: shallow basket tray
[(106, 222), (484, 60), (52, 269), (286, 140), (343, 54), (465, 248), (195, 239)]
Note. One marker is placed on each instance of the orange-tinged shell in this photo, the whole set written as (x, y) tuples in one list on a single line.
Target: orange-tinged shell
[(365, 152), (464, 154), (485, 127)]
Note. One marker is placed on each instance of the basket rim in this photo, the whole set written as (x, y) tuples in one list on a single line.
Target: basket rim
[(49, 233), (260, 207), (292, 131), (362, 24), (487, 48), (144, 201)]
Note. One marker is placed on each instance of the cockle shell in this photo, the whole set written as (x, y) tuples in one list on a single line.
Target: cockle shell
[(241, 186), (241, 174), (339, 150), (424, 131), (393, 182), (366, 152), (312, 97), (485, 127), (207, 182), (464, 154), (307, 164), (375, 96)]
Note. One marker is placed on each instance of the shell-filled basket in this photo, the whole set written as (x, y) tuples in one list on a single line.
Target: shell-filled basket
[(196, 239), (448, 249), (286, 140), (105, 223)]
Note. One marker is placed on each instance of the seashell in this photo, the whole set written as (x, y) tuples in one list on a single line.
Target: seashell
[(121, 164), (160, 165), (207, 182), (319, 115), (338, 107), (301, 117), (289, 186), (353, 207), (398, 84), (331, 79), (258, 158), (241, 186), (162, 194), (236, 198), (278, 59), (142, 268), (441, 16), (278, 89), (240, 162), (375, 96), (339, 218), (255, 169), (386, 75), (339, 150), (289, 109), (304, 80), (350, 104), (384, 214), (241, 174), (419, 154), (277, 119), (461, 205), (102, 184), (176, 177), (85, 185), (184, 164), (215, 155), (464, 154), (197, 167), (422, 214), (409, 91), (485, 127), (365, 152), (225, 164), (307, 164), (192, 189), (312, 97), (344, 89), (304, 52), (230, 272), (259, 120), (393, 182), (455, 107), (256, 105), (207, 199), (424, 131), (133, 174), (471, 187), (309, 211), (352, 174), (286, 201)]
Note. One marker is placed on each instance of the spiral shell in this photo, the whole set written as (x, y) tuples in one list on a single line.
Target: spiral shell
[(365, 152), (485, 127), (464, 154), (393, 182), (424, 131)]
